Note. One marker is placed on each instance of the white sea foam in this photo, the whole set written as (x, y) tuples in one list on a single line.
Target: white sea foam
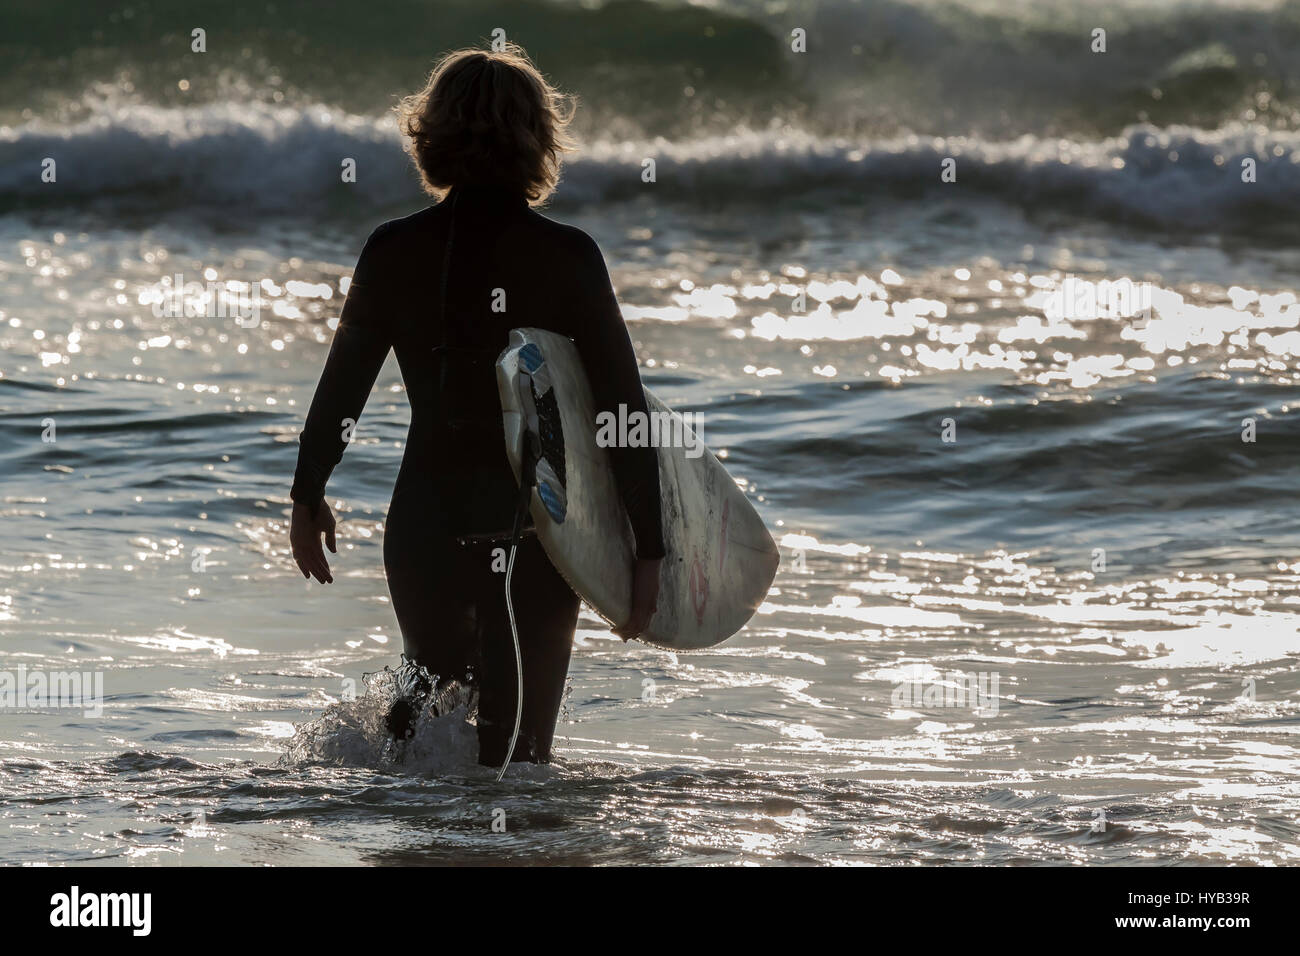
[(247, 158)]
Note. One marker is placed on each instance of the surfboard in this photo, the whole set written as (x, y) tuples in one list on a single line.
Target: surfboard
[(720, 559)]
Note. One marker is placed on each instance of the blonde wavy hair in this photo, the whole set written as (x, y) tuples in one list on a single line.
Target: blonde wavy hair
[(488, 117)]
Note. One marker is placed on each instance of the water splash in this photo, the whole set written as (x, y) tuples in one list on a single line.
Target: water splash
[(354, 733)]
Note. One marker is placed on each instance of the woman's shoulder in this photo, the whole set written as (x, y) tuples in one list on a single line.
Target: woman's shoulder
[(396, 241), (394, 245), (563, 238), (405, 227)]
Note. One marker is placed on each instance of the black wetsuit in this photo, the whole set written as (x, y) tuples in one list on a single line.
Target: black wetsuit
[(504, 267)]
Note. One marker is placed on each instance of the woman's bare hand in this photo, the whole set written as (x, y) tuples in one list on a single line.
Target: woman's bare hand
[(304, 540), (645, 598)]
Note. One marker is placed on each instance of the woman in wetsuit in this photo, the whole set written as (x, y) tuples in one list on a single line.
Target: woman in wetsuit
[(443, 288)]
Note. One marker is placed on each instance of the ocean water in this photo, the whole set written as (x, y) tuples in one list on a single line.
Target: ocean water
[(1028, 440)]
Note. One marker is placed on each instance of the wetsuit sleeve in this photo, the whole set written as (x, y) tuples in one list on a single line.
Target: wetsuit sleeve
[(361, 343), (610, 362)]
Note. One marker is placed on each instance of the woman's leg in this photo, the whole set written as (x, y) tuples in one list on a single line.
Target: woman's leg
[(449, 599), (433, 592), (546, 613)]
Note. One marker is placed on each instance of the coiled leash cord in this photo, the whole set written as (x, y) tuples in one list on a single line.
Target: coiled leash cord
[(527, 478)]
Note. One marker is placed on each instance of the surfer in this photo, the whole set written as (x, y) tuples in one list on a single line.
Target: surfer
[(443, 288)]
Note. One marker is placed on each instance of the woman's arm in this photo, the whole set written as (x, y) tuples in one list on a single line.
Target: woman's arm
[(361, 344), (610, 362)]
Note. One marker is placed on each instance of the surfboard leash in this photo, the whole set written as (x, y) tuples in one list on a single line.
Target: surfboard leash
[(527, 478)]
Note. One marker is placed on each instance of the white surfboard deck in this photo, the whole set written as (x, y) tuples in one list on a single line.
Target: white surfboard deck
[(720, 558)]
